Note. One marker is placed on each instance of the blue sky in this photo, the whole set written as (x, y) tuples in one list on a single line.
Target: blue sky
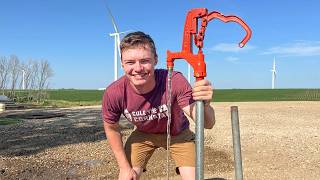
[(74, 37)]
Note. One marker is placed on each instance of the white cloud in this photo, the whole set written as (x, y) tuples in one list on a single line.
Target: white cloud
[(299, 48), (230, 47)]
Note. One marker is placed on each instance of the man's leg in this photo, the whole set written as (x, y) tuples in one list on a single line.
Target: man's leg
[(183, 152), (138, 151)]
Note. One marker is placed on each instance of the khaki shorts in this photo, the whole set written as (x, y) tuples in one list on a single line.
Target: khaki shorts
[(140, 146)]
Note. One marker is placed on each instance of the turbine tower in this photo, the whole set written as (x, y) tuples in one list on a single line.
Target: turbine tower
[(23, 79), (189, 73), (116, 36), (273, 71)]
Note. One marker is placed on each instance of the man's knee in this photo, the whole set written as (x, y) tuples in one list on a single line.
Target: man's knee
[(187, 173)]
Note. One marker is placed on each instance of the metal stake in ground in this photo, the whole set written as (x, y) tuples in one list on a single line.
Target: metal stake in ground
[(236, 143)]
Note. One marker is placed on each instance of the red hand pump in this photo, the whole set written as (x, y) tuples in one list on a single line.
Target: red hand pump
[(199, 67)]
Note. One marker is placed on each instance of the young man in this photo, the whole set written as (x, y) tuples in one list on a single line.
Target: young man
[(141, 96)]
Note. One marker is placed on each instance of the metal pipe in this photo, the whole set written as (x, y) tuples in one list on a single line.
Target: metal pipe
[(169, 89), (236, 143), (199, 140)]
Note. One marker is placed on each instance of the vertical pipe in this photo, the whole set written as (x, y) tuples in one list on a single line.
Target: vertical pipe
[(199, 140), (236, 143), (169, 89)]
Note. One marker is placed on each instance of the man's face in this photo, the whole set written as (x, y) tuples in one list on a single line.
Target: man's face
[(138, 64)]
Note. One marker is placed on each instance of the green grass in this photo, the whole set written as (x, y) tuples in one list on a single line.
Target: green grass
[(247, 95), (93, 97), (7, 121), (74, 97), (68, 97)]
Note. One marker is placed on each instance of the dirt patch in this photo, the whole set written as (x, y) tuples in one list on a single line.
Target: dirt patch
[(280, 140)]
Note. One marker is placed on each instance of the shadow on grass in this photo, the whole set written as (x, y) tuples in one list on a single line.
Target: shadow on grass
[(34, 135)]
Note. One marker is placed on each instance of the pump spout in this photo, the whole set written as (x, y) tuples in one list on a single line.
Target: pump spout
[(195, 60)]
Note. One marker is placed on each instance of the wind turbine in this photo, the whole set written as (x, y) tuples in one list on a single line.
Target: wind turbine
[(117, 52), (273, 71)]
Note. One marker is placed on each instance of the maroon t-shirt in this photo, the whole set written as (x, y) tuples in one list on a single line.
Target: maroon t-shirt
[(149, 111)]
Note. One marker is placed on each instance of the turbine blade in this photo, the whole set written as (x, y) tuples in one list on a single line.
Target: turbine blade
[(112, 19)]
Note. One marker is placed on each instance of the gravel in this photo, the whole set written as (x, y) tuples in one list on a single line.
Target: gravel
[(280, 140)]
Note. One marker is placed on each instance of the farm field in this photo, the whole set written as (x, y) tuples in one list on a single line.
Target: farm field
[(256, 95), (280, 140), (220, 95), (75, 97)]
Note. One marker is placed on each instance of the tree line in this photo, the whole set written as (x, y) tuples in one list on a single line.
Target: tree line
[(24, 81)]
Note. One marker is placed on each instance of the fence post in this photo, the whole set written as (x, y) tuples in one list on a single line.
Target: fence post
[(236, 143)]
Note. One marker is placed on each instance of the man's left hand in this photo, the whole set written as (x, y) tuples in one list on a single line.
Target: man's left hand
[(202, 90)]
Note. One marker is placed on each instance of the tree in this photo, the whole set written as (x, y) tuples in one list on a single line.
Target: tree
[(42, 73), (4, 73), (14, 72), (33, 76), (45, 73)]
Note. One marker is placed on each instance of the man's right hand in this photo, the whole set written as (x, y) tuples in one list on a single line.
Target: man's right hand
[(128, 174)]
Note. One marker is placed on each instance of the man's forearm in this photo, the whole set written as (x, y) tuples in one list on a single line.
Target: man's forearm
[(115, 141), (209, 117)]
